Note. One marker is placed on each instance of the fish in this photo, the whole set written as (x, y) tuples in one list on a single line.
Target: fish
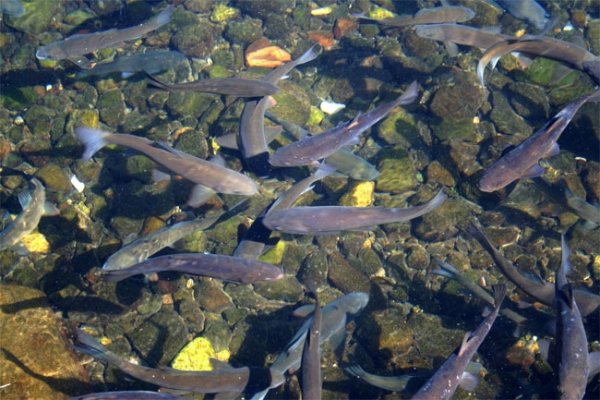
[(543, 292), (529, 10), (523, 160), (434, 15), (227, 268), (127, 395), (252, 141), (224, 380), (75, 47), (585, 210), (34, 207), (461, 34), (326, 220), (444, 382), (14, 8), (238, 87), (151, 62), (140, 249), (397, 383), (312, 379), (574, 368), (333, 329), (310, 150), (212, 175), (447, 270), (543, 46)]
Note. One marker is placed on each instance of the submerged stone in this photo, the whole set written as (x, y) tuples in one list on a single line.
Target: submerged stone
[(38, 15), (397, 173)]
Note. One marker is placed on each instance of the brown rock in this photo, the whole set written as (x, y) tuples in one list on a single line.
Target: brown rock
[(343, 27), (262, 54)]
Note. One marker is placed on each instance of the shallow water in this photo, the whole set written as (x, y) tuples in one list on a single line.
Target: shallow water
[(415, 318)]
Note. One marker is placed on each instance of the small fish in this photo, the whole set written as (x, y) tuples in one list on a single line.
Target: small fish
[(447, 270), (238, 87), (326, 220), (433, 15), (310, 150), (582, 208), (574, 367), (529, 10), (212, 175), (225, 380), (542, 46), (523, 161), (544, 292), (227, 268), (461, 34), (127, 395), (252, 140), (444, 382), (140, 249), (397, 383), (151, 62), (75, 47), (312, 379), (14, 8), (34, 208)]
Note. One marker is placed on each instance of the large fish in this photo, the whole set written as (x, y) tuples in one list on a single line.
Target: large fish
[(252, 141), (574, 366), (523, 161), (528, 10), (543, 292), (227, 268), (326, 220), (225, 380), (444, 382), (212, 175), (151, 62), (312, 379), (435, 15), (34, 208), (310, 150), (75, 47)]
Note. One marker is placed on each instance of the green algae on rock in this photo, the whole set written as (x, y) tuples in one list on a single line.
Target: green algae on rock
[(397, 173)]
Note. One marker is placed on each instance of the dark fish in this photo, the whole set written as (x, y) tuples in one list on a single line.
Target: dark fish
[(310, 150), (333, 219), (14, 8), (543, 292), (397, 383), (528, 10), (128, 395), (226, 380), (574, 366), (252, 141), (214, 176), (444, 382), (34, 208), (238, 87), (582, 208), (312, 379), (461, 34), (541, 46), (449, 271), (151, 62), (75, 47), (523, 160), (227, 268), (433, 15)]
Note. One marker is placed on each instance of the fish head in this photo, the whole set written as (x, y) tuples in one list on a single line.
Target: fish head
[(246, 189), (51, 51), (355, 302)]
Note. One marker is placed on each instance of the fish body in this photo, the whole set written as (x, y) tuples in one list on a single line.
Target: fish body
[(582, 208), (544, 292), (444, 382), (312, 379), (461, 34), (225, 380), (252, 141), (529, 10), (311, 149), (34, 207), (574, 367), (238, 87), (523, 160), (227, 268), (334, 219), (127, 395), (151, 62), (76, 46), (140, 249), (392, 383), (212, 175), (434, 15)]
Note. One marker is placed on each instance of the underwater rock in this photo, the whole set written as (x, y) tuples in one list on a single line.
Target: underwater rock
[(54, 178), (361, 194), (195, 40), (293, 103), (397, 173), (460, 129), (246, 31), (314, 268), (345, 277), (23, 365), (112, 107), (38, 15), (507, 121), (217, 332), (199, 6), (437, 173), (39, 120), (445, 103), (443, 222), (287, 289), (197, 355), (211, 296), (399, 128), (262, 8), (193, 104), (223, 13), (529, 101), (417, 258)]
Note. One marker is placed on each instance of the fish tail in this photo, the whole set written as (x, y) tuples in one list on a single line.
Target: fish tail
[(92, 139), (499, 293), (309, 55), (87, 344), (410, 94), (154, 81), (164, 17), (444, 269), (324, 170)]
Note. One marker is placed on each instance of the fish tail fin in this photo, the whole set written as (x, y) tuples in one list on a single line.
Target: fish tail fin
[(444, 269), (309, 55), (499, 293), (324, 170), (93, 140), (154, 81), (87, 344), (410, 94), (165, 16)]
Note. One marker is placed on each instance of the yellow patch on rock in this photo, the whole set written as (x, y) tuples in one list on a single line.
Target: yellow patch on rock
[(361, 195), (36, 243), (197, 354)]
